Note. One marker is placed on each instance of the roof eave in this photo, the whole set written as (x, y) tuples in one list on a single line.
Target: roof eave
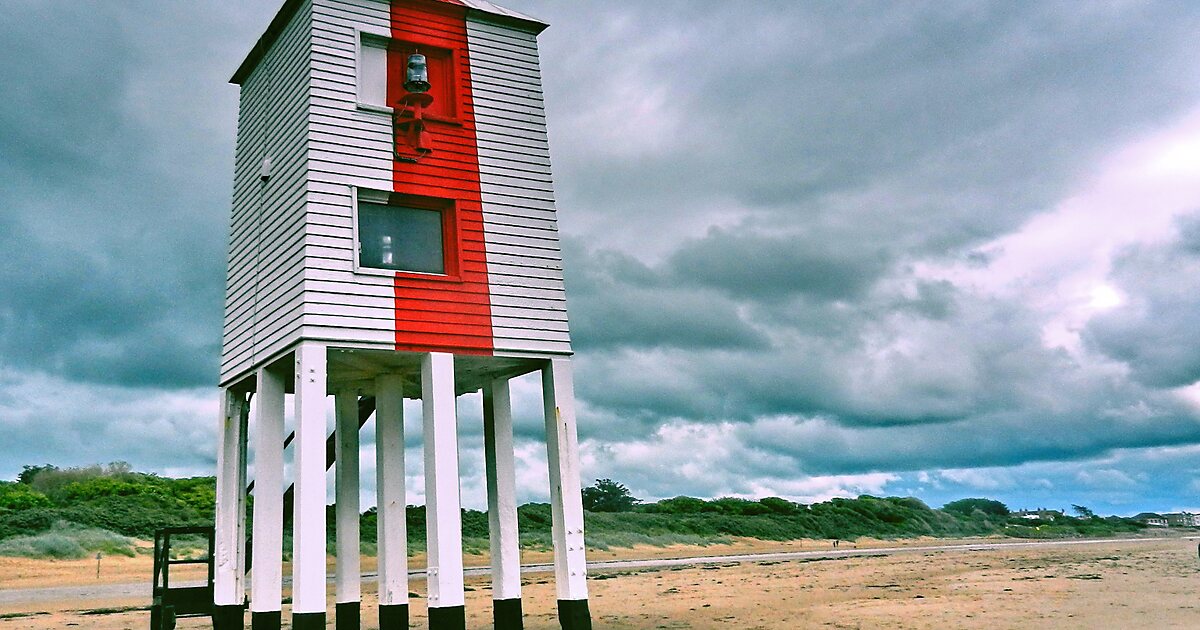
[(289, 8), (264, 43), (529, 25)]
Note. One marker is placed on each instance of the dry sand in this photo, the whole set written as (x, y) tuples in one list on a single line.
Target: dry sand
[(1116, 584)]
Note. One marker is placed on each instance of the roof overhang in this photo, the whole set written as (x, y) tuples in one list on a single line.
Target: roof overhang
[(482, 9)]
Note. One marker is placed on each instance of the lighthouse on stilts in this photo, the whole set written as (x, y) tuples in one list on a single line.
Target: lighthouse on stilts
[(393, 236)]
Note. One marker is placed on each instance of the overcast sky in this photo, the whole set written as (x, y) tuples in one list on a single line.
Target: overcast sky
[(812, 249)]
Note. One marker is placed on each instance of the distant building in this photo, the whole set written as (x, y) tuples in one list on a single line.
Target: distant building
[(1040, 514), (1152, 519), (1182, 519)]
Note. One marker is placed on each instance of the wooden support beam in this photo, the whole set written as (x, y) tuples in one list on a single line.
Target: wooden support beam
[(443, 520), (229, 589), (346, 486), (308, 524), (266, 581), (392, 535), (566, 496), (500, 464)]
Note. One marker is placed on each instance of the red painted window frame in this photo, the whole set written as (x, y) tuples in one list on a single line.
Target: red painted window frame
[(451, 239), (422, 43), (452, 248)]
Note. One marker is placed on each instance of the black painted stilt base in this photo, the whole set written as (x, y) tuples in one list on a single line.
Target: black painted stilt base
[(308, 621), (348, 616), (228, 617), (393, 617), (266, 620), (506, 614), (448, 618), (573, 614)]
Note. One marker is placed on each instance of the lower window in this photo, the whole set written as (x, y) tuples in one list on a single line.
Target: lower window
[(403, 234)]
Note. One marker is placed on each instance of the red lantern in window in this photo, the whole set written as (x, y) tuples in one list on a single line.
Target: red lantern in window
[(413, 140)]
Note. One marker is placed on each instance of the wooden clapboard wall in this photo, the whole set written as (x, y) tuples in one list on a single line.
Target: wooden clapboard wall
[(433, 314), (292, 273), (264, 288), (529, 309), (351, 148)]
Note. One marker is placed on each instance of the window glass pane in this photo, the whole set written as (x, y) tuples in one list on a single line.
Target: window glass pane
[(404, 239), (372, 73)]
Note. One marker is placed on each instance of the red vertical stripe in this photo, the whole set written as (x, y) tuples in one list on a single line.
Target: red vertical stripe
[(453, 313)]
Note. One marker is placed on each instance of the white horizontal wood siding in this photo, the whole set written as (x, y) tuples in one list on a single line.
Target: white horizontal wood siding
[(348, 147), (291, 262), (264, 282), (529, 307)]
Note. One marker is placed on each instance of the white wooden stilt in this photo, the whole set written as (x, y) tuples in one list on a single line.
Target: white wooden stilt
[(346, 470), (501, 491), (229, 573), (308, 522), (443, 518), (392, 535), (266, 574), (566, 498)]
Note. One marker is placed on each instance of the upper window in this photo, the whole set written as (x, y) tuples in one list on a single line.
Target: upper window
[(381, 84), (372, 71), (406, 234)]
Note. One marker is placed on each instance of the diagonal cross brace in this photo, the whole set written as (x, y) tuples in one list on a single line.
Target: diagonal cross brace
[(366, 408)]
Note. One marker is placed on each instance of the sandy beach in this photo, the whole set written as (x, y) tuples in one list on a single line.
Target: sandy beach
[(1111, 584)]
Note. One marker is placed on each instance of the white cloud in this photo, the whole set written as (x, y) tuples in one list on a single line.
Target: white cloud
[(1058, 262), (978, 478), (48, 419), (844, 159), (1106, 478)]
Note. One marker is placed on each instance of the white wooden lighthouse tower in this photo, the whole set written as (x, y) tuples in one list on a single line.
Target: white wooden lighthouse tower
[(393, 236)]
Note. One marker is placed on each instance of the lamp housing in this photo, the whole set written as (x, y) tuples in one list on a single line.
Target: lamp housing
[(416, 79)]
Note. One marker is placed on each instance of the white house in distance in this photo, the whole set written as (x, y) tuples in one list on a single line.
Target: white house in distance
[(1182, 519), (393, 235), (1152, 519)]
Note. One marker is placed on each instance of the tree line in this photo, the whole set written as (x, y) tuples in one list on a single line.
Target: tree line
[(117, 499)]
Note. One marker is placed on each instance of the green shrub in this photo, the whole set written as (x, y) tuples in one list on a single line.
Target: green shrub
[(49, 480), (26, 522), (18, 496), (607, 495), (745, 507), (45, 545), (966, 507), (681, 505), (123, 503), (781, 506), (67, 541), (475, 524), (534, 517)]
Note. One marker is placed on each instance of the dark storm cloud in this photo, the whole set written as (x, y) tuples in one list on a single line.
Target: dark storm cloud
[(774, 266), (1068, 432), (879, 365), (1154, 331), (912, 375), (833, 147), (910, 127), (116, 151), (749, 193), (617, 301)]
